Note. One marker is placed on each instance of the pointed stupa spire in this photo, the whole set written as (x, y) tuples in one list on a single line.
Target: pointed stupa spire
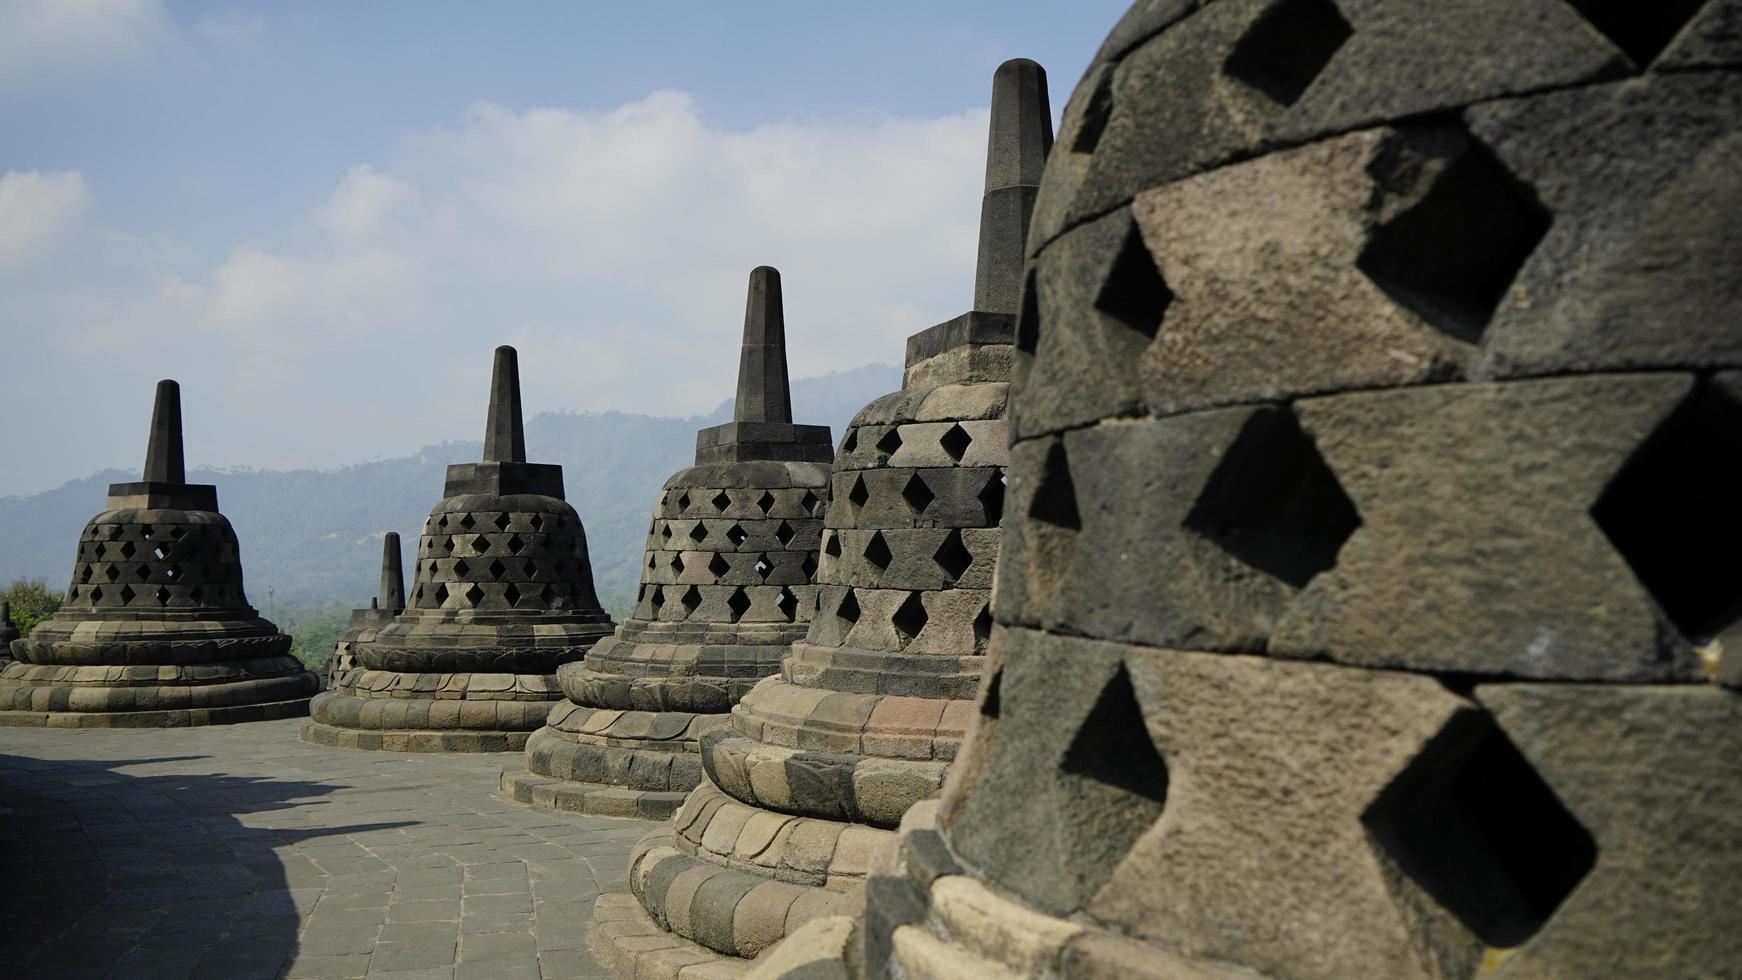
[(763, 393), (163, 454), (504, 435), (1020, 137), (391, 595)]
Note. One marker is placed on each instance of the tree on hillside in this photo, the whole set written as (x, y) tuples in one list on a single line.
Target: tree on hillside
[(31, 602)]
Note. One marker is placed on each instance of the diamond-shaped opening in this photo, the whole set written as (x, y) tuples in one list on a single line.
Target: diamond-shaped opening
[(1641, 28), (787, 603), (96, 595), (677, 564), (765, 503), (160, 550), (718, 565), (1451, 256), (461, 568), (112, 573), (910, 617), (85, 575), (1273, 504), (515, 544), (763, 567), (441, 595), (433, 567), (1287, 47), (698, 533), (1134, 293), (1671, 512), (658, 598), (737, 535), (953, 556), (683, 502), (1112, 770), (142, 572), (1095, 116), (983, 625), (890, 442), (127, 549), (99, 550), (443, 523), (501, 522), (665, 532), (721, 501), (848, 609), (496, 569), (809, 568), (832, 544), (650, 561), (851, 442), (877, 551), (512, 594), (955, 441), (448, 545), (738, 603), (468, 522), (1055, 498), (146, 531), (917, 494), (173, 573), (809, 502), (537, 522), (127, 594), (992, 498), (162, 595), (197, 594), (530, 568), (547, 596), (176, 533), (480, 544), (474, 595), (1476, 829), (858, 494), (692, 598)]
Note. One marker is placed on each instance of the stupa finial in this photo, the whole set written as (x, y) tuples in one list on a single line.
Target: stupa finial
[(763, 392), (163, 454), (391, 595), (1017, 143), (505, 435)]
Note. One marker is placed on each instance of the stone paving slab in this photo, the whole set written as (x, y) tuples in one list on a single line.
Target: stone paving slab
[(240, 852)]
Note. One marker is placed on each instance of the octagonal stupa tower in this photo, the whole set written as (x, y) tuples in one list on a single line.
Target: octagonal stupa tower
[(156, 631), (503, 596), (725, 590), (1367, 605), (867, 713), (389, 602)]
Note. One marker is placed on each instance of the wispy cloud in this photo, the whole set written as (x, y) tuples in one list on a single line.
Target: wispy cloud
[(50, 39), (35, 208)]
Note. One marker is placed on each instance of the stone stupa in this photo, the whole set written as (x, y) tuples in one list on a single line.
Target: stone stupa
[(156, 631), (503, 596), (866, 714), (725, 590), (1371, 613), (389, 601)]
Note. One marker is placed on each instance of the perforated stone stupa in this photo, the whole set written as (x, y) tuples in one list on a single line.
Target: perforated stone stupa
[(821, 761), (389, 602), (156, 631), (725, 590), (1367, 559), (503, 596)]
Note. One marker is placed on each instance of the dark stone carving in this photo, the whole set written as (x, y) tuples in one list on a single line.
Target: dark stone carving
[(502, 596), (156, 630)]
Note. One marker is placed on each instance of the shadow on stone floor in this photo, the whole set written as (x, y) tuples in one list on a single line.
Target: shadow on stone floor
[(132, 869)]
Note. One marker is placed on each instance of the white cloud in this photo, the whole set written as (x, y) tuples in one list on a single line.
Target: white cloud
[(48, 38), (35, 207), (611, 246), (231, 26)]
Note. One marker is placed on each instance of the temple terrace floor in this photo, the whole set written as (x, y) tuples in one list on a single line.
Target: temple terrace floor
[(238, 851)]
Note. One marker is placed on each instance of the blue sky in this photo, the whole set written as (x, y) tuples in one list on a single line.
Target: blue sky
[(322, 216)]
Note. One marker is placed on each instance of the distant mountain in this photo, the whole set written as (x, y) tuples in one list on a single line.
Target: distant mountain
[(313, 537)]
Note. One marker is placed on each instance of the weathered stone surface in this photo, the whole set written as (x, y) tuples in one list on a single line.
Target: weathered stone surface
[(1464, 493)]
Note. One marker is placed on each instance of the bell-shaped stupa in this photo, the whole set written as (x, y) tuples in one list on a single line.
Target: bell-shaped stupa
[(155, 631), (389, 602), (503, 596), (725, 590), (866, 714), (1367, 563)]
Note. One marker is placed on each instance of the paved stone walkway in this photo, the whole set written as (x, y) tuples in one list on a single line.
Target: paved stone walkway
[(237, 851)]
